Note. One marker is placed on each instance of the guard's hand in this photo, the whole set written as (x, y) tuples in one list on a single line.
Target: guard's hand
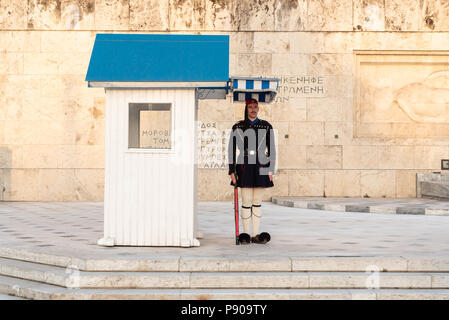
[(270, 175), (233, 178)]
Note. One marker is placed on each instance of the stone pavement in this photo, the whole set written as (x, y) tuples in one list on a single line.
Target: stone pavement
[(313, 254), (72, 229), (372, 205)]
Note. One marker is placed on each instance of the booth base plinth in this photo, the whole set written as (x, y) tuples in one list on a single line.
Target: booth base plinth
[(106, 242), (186, 243), (110, 242)]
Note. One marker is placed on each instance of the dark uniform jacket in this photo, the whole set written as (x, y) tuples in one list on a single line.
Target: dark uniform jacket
[(256, 154)]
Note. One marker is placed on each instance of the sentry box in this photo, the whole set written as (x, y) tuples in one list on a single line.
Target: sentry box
[(152, 84)]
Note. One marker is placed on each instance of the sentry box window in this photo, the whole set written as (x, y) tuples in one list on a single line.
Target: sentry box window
[(150, 126)]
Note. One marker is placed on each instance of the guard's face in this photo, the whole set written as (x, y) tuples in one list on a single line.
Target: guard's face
[(253, 109)]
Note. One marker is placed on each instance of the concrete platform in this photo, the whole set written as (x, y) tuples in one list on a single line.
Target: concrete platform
[(416, 206), (314, 254)]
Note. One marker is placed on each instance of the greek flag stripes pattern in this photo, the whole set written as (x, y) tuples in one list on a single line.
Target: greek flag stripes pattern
[(259, 96), (241, 84), (244, 89)]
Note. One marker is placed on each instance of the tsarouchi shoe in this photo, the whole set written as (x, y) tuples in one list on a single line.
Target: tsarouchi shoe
[(262, 238), (244, 238)]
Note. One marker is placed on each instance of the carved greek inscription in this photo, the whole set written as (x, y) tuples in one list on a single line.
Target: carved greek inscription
[(155, 129), (212, 144), (291, 87)]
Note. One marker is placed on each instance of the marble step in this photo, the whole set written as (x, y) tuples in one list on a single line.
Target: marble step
[(204, 264), (10, 297), (72, 278), (436, 189), (372, 206), (39, 291)]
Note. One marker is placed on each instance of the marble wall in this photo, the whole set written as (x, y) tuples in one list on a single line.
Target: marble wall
[(362, 105)]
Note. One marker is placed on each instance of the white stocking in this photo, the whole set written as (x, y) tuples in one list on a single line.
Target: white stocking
[(257, 209), (247, 197)]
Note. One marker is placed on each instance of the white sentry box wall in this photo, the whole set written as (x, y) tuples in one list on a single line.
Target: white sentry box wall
[(150, 196)]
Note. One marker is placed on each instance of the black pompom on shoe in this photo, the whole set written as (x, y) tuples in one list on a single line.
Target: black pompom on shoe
[(244, 238), (265, 237), (262, 238)]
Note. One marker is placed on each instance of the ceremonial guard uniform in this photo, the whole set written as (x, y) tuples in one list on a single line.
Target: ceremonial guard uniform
[(252, 166), (249, 172)]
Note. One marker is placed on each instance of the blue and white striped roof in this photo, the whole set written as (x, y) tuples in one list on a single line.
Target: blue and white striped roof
[(259, 96), (261, 89)]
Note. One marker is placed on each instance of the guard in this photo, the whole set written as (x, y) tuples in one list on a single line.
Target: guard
[(252, 169)]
